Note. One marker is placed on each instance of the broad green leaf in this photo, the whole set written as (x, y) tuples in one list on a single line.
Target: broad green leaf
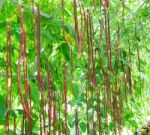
[(83, 126), (65, 49)]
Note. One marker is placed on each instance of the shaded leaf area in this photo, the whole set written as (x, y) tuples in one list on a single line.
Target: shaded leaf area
[(3, 107)]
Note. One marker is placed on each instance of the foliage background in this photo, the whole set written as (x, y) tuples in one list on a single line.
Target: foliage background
[(56, 49)]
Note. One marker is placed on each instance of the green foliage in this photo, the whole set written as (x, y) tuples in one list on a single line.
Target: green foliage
[(56, 48), (3, 107)]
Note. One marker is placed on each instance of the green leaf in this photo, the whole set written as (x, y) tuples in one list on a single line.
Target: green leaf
[(76, 90), (13, 113), (83, 126), (111, 126), (45, 33), (2, 131), (65, 50), (71, 121), (35, 94), (2, 106)]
